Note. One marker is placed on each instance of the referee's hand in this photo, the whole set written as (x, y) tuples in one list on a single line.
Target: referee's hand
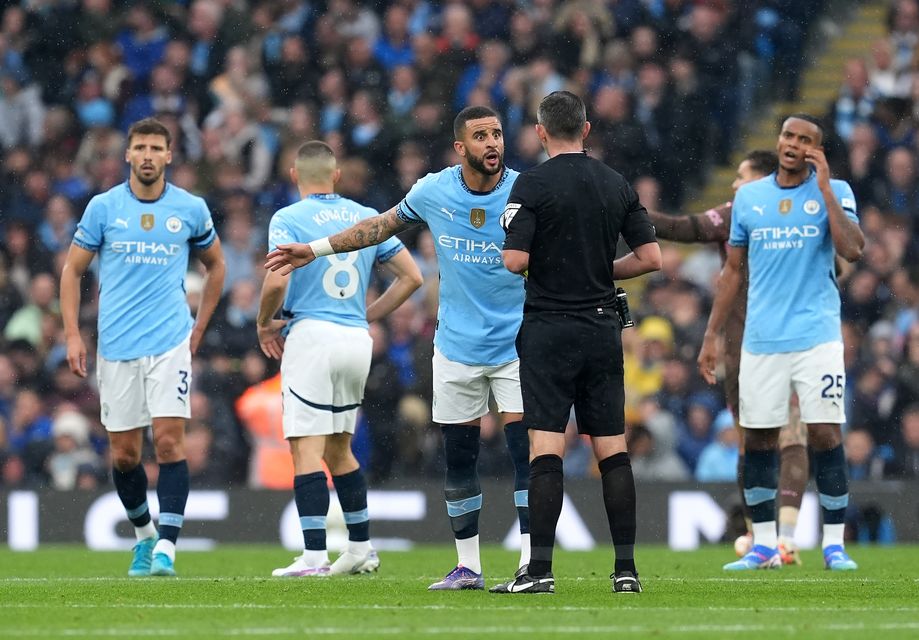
[(708, 358)]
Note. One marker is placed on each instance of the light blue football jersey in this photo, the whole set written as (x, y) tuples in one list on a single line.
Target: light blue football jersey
[(143, 249), (332, 288), (793, 301), (481, 302)]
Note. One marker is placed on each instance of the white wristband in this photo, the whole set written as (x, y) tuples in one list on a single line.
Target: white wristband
[(321, 247)]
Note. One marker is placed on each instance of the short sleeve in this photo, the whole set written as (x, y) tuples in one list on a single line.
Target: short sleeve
[(411, 208), (279, 232), (846, 199), (636, 226), (519, 217), (90, 231), (388, 248), (738, 236), (203, 234)]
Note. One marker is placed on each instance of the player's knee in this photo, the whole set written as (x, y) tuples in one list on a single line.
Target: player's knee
[(125, 458), (823, 437)]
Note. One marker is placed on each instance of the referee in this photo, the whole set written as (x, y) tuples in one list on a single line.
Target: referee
[(563, 221)]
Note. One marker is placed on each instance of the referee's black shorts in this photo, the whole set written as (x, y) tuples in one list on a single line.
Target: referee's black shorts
[(572, 358)]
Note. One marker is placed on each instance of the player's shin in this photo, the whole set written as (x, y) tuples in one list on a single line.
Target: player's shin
[(760, 488), (352, 495), (131, 487), (833, 490), (462, 491), (311, 494), (518, 445)]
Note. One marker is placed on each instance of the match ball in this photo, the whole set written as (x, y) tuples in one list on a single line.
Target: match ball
[(743, 544)]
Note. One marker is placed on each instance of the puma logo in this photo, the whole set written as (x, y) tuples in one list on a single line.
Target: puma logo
[(449, 213), (760, 210), (121, 222)]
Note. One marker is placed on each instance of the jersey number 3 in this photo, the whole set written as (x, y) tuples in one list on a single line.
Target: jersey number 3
[(341, 279)]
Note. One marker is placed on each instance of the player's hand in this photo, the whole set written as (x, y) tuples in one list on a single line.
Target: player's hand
[(76, 355), (708, 358), (288, 257), (195, 340), (817, 158), (270, 339)]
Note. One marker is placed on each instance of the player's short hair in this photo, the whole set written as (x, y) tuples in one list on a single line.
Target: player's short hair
[(149, 127), (809, 118), (763, 161), (315, 161), (563, 115), (470, 113)]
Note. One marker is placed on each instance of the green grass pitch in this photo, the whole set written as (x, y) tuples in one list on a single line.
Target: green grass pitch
[(69, 592)]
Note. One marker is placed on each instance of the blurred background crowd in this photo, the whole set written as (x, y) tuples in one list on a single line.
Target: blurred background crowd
[(669, 85)]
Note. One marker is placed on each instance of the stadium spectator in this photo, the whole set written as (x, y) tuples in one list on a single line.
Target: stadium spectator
[(718, 460)]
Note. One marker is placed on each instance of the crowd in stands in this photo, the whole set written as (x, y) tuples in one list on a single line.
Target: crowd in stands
[(242, 84)]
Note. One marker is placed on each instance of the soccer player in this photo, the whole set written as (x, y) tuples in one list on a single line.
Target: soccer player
[(714, 226), (563, 221), (324, 322), (785, 229), (143, 231), (477, 319)]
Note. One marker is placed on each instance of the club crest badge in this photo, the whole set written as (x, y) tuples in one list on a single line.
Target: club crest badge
[(477, 218), (173, 224), (146, 221), (811, 207)]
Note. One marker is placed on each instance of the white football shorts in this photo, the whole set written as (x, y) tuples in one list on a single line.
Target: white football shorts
[(818, 375), (461, 390), (323, 373), (133, 392)]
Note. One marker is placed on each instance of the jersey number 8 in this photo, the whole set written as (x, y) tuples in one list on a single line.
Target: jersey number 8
[(345, 267)]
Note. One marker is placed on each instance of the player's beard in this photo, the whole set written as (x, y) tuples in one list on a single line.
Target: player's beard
[(148, 181), (479, 165)]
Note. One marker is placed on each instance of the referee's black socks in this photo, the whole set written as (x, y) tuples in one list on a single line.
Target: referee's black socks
[(619, 499), (546, 491)]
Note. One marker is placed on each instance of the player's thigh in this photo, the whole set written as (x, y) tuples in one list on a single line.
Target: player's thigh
[(549, 363), (168, 382), (350, 365), (765, 389), (306, 381), (600, 390), (819, 377), (122, 396), (504, 381), (460, 391)]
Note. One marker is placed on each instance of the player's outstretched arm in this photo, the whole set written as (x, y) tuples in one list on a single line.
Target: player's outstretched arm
[(408, 279), (366, 233), (729, 283), (713, 225), (75, 266), (274, 287), (642, 259), (215, 270)]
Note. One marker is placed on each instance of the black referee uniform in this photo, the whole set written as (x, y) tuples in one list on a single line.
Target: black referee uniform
[(568, 214)]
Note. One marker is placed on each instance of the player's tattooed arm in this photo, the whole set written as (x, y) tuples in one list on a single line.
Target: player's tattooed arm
[(710, 226), (366, 233), (369, 232)]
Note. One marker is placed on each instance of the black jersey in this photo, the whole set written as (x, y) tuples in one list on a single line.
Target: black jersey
[(568, 214)]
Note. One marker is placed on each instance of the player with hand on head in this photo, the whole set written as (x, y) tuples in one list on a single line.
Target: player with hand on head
[(785, 232), (324, 346), (714, 225), (479, 312), (143, 231)]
